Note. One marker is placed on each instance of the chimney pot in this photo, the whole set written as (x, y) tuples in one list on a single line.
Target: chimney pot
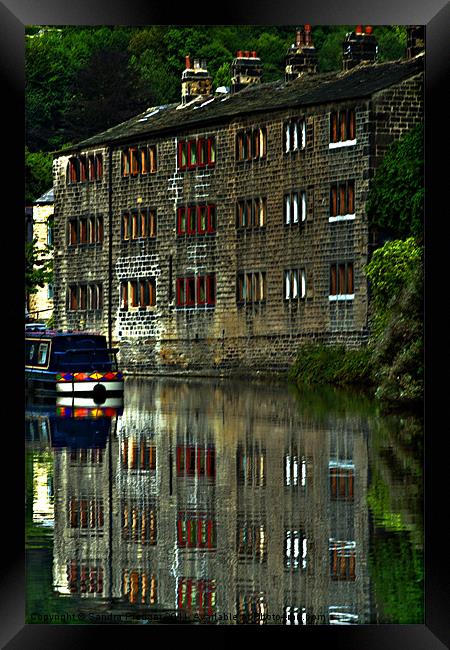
[(239, 54), (369, 29), (253, 54), (298, 40), (358, 29), (188, 62), (307, 28), (246, 54)]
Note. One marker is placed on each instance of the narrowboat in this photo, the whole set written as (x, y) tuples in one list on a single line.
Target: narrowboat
[(69, 364)]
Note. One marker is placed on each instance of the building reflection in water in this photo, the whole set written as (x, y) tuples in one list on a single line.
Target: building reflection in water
[(214, 503)]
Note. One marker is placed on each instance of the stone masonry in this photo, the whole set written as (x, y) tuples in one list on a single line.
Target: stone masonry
[(230, 334)]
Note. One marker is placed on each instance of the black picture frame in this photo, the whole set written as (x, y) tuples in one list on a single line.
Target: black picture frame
[(14, 15)]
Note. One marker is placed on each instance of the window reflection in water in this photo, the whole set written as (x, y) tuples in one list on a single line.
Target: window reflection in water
[(202, 500)]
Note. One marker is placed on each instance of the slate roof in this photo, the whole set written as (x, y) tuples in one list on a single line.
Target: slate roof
[(46, 198), (362, 81)]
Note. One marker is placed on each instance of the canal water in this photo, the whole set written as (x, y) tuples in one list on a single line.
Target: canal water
[(224, 502)]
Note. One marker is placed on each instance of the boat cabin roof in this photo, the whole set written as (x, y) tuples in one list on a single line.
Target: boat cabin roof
[(50, 334)]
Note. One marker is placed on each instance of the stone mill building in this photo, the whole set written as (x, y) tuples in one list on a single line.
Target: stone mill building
[(220, 233)]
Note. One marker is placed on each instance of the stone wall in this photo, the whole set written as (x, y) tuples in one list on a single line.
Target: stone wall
[(230, 336)]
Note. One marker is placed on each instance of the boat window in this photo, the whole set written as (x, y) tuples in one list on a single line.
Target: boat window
[(42, 354), (31, 350)]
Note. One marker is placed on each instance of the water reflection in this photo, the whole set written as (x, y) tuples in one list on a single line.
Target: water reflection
[(211, 501)]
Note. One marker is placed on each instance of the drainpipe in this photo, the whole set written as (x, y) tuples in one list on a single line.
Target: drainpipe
[(110, 221)]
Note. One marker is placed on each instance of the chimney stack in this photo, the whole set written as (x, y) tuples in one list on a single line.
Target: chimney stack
[(246, 69), (195, 81), (358, 46), (302, 55), (415, 40)]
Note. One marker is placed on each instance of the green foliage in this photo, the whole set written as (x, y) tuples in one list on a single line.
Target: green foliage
[(396, 198), (320, 364), (398, 348), (82, 79), (38, 175), (397, 573), (38, 266), (388, 271)]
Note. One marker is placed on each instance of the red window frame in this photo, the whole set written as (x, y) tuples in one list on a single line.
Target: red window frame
[(98, 166), (211, 289), (194, 526), (182, 147), (181, 215), (73, 170), (202, 152), (126, 162), (190, 291), (181, 292), (191, 220), (211, 149), (201, 280), (201, 229), (211, 218), (191, 149)]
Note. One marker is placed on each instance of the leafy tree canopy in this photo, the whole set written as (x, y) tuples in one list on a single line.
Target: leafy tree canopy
[(396, 199)]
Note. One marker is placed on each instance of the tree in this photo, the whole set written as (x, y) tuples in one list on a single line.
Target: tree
[(38, 266), (396, 198), (38, 175)]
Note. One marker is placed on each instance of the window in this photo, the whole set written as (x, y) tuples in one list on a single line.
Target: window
[(342, 560), (342, 615), (294, 135), (342, 476), (85, 513), (139, 522), (294, 208), (196, 531), (50, 230), (196, 153), (84, 456), (342, 200), (73, 297), (295, 615), (197, 595), (294, 284), (196, 219), (139, 160), (42, 354), (139, 224), (84, 168), (251, 607), (83, 297), (139, 455), (251, 144), (139, 587), (138, 293), (251, 213), (295, 547), (251, 541), (251, 287), (73, 170), (251, 466), (195, 291), (341, 281), (95, 167), (196, 461), (73, 232), (294, 470), (83, 578), (85, 230), (342, 128)]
